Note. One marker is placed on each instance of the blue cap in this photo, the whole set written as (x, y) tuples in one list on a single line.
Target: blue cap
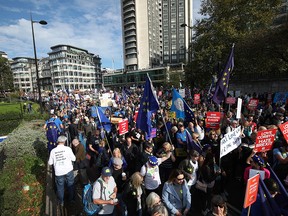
[(153, 161), (258, 160), (106, 171)]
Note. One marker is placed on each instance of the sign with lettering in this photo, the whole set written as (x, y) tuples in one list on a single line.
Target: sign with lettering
[(230, 100), (251, 191), (197, 99), (213, 120), (252, 104), (284, 129), (230, 141), (264, 140), (123, 126)]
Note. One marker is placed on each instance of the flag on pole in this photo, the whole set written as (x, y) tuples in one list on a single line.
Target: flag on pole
[(180, 107), (149, 104), (222, 84), (104, 121)]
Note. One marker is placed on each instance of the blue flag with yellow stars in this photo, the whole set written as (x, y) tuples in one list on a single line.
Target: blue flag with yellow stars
[(148, 105), (223, 80), (180, 107)]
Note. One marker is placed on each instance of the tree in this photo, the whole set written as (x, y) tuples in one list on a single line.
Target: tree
[(226, 22), (6, 75)]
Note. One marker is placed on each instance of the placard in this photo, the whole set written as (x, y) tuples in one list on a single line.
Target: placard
[(253, 172), (252, 104), (230, 141), (251, 190), (284, 129), (239, 107), (135, 116), (182, 92), (213, 120), (152, 135), (197, 99), (123, 126), (264, 140), (230, 100)]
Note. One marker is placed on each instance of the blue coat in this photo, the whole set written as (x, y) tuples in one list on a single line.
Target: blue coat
[(172, 200)]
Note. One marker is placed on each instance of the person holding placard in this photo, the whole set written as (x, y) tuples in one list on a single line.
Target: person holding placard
[(256, 163)]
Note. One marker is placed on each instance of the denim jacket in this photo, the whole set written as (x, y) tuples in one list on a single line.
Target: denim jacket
[(172, 200)]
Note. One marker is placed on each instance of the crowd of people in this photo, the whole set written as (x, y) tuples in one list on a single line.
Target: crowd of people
[(166, 174)]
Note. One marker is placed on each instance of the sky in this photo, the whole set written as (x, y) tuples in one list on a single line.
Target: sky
[(93, 25)]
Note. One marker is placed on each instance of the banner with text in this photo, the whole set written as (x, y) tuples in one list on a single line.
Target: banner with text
[(230, 141), (264, 140), (252, 104), (123, 126), (284, 129), (197, 99), (213, 120), (251, 190)]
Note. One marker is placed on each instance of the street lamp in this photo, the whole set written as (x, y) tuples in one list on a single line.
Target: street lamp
[(42, 22)]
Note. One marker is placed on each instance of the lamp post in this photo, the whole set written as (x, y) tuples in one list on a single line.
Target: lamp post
[(42, 22)]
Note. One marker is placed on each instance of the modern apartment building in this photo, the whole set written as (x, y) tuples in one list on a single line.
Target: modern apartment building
[(152, 32), (141, 24), (176, 30), (22, 73), (74, 68)]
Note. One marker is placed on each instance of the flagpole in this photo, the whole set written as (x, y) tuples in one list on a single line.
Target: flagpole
[(104, 130), (166, 129)]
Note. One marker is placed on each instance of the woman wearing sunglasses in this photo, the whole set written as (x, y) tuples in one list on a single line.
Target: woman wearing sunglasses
[(218, 206), (176, 195)]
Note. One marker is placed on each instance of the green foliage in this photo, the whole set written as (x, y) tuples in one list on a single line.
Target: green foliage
[(227, 22), (26, 155), (6, 75)]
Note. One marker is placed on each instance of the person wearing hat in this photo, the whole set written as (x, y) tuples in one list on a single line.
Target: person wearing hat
[(61, 158), (105, 184), (150, 172), (256, 163)]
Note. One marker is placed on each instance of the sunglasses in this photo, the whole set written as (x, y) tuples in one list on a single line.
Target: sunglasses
[(219, 206), (180, 179)]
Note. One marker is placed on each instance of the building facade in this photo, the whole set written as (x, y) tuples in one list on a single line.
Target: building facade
[(152, 32), (176, 30), (74, 68), (22, 68)]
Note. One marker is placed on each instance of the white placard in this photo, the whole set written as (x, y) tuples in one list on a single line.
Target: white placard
[(239, 107), (253, 172), (182, 92), (230, 141)]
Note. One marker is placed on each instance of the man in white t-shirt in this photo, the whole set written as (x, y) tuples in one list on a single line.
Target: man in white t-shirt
[(150, 172), (61, 158), (105, 192)]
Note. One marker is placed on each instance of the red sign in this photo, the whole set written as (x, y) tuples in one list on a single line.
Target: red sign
[(253, 103), (135, 116), (284, 129), (213, 120), (123, 126), (251, 190), (196, 98), (230, 100), (264, 140)]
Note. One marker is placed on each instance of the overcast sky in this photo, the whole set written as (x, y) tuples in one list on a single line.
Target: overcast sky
[(94, 25)]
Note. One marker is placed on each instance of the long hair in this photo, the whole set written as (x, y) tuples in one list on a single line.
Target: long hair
[(136, 179), (174, 174), (117, 150), (150, 200)]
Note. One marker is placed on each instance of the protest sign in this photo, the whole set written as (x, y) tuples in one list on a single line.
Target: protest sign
[(135, 116), (230, 141), (182, 92), (123, 126), (284, 129), (251, 190), (152, 135), (252, 104), (197, 99), (213, 120), (239, 107), (230, 100), (264, 140)]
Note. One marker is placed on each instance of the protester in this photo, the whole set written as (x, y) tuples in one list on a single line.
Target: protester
[(176, 195), (105, 192), (218, 206), (152, 201), (61, 158)]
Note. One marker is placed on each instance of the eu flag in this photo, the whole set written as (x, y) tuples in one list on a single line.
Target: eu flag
[(223, 80), (104, 121), (148, 105), (180, 107)]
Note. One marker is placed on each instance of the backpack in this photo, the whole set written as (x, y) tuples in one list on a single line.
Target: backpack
[(89, 207), (52, 132)]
